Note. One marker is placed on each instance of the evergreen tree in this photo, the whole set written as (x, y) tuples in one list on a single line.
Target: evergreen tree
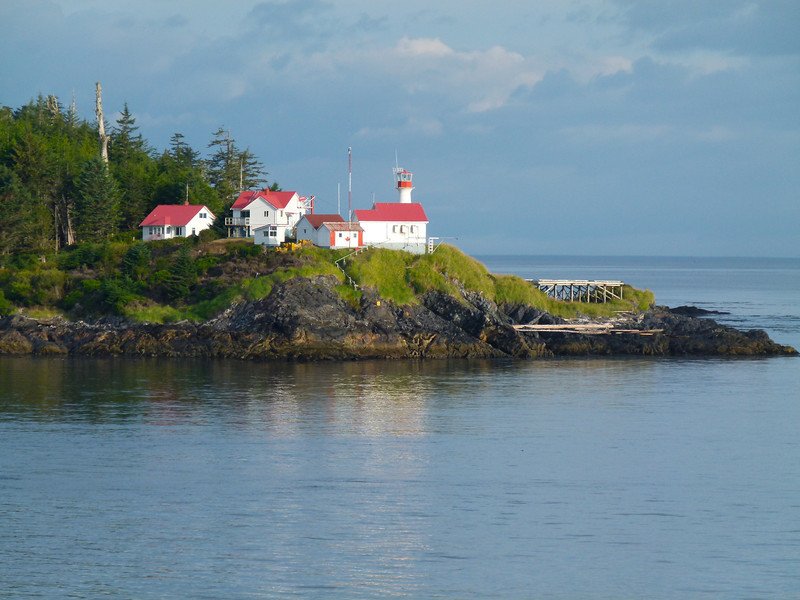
[(132, 166), (98, 210), (126, 143), (182, 275)]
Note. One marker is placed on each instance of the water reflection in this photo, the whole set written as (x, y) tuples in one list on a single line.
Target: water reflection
[(365, 399)]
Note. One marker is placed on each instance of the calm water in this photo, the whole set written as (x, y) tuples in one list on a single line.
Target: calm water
[(591, 478)]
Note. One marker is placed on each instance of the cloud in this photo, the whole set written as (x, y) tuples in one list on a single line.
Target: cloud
[(412, 126), (745, 27)]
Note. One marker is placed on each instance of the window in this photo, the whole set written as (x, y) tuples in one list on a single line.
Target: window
[(169, 229), (203, 215), (402, 228), (413, 229), (340, 234), (193, 231), (273, 233), (394, 228), (265, 214)]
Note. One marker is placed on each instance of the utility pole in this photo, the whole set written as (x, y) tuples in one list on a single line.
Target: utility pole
[(349, 184)]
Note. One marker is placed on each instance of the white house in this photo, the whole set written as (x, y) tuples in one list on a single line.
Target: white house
[(255, 209), (396, 225), (270, 235), (330, 231), (168, 221)]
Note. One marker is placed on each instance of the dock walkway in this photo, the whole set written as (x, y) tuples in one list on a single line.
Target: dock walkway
[(580, 290)]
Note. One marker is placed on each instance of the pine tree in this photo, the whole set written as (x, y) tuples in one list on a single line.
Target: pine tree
[(97, 207), (182, 275)]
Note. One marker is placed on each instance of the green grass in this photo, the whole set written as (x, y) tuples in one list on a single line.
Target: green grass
[(153, 313), (384, 270)]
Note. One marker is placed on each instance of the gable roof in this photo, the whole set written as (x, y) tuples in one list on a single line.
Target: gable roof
[(173, 214), (393, 211), (276, 199), (343, 226), (318, 219)]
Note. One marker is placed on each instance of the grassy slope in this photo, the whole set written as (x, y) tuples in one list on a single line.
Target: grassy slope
[(402, 277), (136, 280)]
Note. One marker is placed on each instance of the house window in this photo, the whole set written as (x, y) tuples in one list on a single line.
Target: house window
[(193, 231), (413, 229), (273, 233), (169, 229), (340, 234), (402, 228), (203, 215), (394, 228), (265, 214)]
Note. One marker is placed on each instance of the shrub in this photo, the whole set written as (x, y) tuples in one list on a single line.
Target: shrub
[(136, 262), (6, 307)]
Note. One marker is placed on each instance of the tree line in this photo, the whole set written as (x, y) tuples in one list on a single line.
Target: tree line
[(56, 190)]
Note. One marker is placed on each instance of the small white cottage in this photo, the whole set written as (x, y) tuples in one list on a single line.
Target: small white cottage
[(167, 221), (330, 231)]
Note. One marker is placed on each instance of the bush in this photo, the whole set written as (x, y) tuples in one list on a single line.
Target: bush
[(35, 287), (209, 235), (6, 307), (136, 262)]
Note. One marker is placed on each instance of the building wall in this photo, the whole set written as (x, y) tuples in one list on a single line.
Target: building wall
[(262, 236), (396, 235), (339, 239)]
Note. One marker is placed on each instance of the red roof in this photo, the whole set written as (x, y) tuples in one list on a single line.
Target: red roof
[(173, 214), (318, 219), (276, 199), (393, 211)]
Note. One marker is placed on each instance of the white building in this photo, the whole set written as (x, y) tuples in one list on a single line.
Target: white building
[(167, 221), (401, 225), (270, 235), (330, 231), (255, 209)]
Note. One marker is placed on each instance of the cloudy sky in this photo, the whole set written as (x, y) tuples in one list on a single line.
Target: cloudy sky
[(614, 127)]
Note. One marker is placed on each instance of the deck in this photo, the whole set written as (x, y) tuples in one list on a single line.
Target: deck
[(580, 290)]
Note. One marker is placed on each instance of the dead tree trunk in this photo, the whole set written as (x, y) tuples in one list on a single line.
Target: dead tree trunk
[(101, 124)]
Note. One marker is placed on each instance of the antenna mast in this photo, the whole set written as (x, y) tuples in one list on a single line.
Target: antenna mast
[(349, 184), (338, 198)]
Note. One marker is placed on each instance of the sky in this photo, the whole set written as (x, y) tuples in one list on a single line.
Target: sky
[(570, 127)]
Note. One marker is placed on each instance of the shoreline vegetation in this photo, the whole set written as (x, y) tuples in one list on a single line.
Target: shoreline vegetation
[(200, 297)]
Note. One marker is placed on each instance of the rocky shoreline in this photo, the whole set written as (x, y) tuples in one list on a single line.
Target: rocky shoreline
[(306, 319)]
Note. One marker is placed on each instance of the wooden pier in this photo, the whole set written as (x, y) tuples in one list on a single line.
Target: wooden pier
[(586, 329), (580, 290)]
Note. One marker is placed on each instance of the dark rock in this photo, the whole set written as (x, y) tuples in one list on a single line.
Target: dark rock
[(307, 319), (694, 311)]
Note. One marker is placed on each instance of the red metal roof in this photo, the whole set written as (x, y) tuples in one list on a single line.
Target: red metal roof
[(393, 211), (318, 219), (276, 199), (173, 214)]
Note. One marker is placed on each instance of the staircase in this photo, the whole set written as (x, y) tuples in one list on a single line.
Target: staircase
[(339, 263)]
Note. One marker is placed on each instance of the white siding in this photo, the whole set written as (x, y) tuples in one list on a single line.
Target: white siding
[(395, 234)]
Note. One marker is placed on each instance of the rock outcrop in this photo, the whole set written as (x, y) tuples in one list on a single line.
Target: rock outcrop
[(306, 319)]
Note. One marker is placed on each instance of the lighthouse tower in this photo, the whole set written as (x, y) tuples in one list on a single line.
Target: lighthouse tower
[(404, 187)]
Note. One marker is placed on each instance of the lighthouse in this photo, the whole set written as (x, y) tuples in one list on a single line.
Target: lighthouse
[(404, 186)]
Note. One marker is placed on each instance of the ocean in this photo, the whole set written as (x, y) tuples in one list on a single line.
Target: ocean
[(559, 478)]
